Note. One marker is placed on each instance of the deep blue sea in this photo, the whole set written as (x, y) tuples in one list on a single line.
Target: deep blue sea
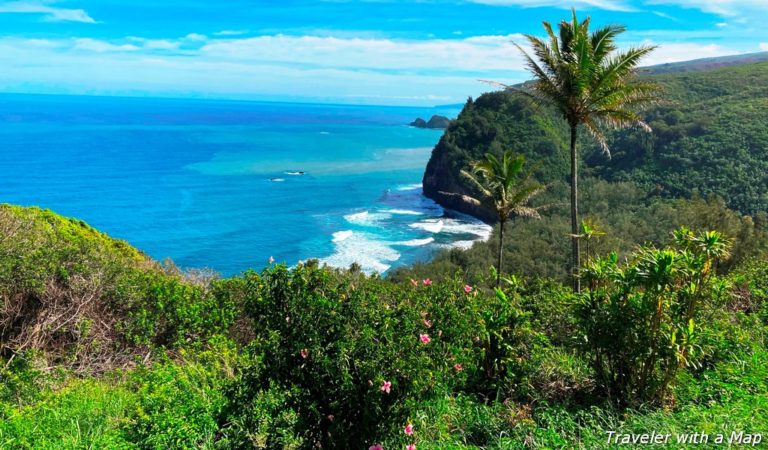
[(217, 184)]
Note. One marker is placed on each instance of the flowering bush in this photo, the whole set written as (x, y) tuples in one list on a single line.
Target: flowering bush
[(353, 349)]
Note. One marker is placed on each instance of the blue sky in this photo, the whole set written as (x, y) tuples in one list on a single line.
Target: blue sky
[(417, 52)]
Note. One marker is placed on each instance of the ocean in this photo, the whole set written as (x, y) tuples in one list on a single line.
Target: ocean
[(227, 184)]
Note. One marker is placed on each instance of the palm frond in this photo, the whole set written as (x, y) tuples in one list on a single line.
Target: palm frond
[(476, 183), (462, 197)]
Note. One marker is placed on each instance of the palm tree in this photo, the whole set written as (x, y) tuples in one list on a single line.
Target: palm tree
[(584, 77), (504, 190)]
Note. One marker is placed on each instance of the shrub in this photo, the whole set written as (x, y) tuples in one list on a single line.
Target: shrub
[(180, 401), (346, 352), (166, 310), (639, 320)]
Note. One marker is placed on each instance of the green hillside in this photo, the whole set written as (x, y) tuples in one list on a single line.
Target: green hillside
[(710, 137), (104, 348)]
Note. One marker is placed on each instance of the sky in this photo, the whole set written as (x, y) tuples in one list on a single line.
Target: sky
[(390, 52)]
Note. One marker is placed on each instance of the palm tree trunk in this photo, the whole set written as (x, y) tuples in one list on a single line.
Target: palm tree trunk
[(575, 251), (501, 250)]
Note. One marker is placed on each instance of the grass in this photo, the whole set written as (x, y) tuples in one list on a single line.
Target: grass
[(84, 414)]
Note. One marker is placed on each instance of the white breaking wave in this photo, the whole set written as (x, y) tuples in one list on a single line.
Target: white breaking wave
[(479, 229), (405, 212), (410, 187), (366, 218), (416, 242), (463, 245), (431, 225), (342, 235), (370, 254)]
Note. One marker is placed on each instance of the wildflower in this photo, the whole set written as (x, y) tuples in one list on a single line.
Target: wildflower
[(386, 386), (410, 447), (271, 260), (408, 429), (376, 447), (458, 367), (427, 282), (414, 282), (467, 288), (304, 353), (424, 338), (427, 323)]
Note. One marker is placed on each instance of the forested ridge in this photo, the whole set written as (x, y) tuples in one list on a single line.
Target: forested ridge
[(710, 137)]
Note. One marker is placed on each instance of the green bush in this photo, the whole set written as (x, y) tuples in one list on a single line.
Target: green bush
[(167, 310), (640, 321), (327, 342), (180, 401)]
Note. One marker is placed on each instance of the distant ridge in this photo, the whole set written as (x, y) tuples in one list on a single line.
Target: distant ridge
[(703, 64)]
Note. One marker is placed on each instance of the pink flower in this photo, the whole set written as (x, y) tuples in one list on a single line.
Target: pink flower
[(424, 338), (386, 386), (304, 353), (376, 447), (467, 288), (427, 282), (458, 367), (414, 282), (271, 260), (410, 447), (408, 429), (427, 323)]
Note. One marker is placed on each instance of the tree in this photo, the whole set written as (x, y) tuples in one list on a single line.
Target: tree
[(584, 77), (504, 190)]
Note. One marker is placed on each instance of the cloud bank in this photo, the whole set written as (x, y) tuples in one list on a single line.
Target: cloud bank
[(50, 13)]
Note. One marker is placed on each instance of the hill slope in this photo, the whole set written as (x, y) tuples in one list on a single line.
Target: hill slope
[(711, 137)]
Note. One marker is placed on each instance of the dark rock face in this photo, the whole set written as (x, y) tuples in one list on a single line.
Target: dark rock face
[(435, 122), (441, 186), (493, 123)]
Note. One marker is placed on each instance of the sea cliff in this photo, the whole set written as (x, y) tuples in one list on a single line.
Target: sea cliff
[(493, 122)]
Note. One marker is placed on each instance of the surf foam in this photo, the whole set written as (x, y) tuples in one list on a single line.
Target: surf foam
[(430, 225), (371, 254)]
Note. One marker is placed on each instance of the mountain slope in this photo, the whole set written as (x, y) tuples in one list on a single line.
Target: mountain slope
[(710, 138)]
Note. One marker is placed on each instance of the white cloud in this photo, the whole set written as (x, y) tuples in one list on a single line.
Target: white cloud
[(474, 54), (349, 69), (50, 13), (98, 46), (156, 44), (677, 52), (764, 46), (726, 8), (611, 5), (665, 16), (230, 32), (196, 37)]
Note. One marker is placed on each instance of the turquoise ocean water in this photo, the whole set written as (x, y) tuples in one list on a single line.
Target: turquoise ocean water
[(215, 184)]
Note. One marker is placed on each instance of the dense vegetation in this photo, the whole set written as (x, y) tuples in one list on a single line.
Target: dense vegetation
[(710, 137), (142, 356), (101, 347)]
